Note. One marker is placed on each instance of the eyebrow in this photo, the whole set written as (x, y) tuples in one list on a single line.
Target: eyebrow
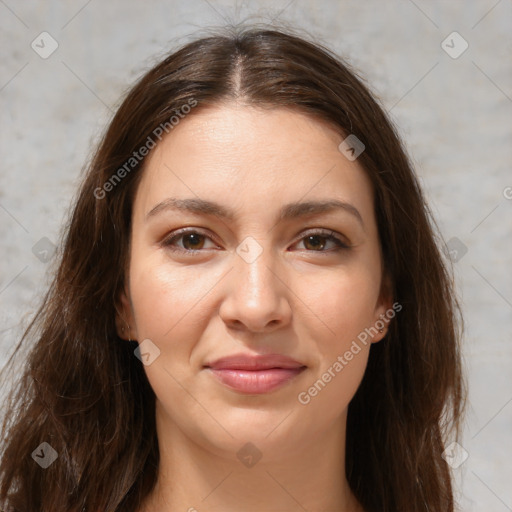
[(289, 211)]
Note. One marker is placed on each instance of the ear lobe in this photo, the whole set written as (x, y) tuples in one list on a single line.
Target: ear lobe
[(124, 318)]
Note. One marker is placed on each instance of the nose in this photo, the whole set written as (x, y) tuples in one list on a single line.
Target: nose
[(256, 296)]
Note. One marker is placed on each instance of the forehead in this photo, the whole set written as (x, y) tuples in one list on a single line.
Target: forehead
[(254, 160)]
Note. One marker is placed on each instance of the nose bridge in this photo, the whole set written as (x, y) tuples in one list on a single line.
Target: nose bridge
[(257, 296), (255, 269)]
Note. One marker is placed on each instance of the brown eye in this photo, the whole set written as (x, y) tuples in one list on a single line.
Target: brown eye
[(191, 241), (314, 242), (317, 242)]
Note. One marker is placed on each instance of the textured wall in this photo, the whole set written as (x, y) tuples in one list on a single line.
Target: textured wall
[(453, 105)]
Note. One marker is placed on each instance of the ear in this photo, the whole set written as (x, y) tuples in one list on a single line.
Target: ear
[(384, 306), (125, 319)]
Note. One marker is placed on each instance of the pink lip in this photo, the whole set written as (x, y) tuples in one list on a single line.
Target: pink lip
[(255, 374)]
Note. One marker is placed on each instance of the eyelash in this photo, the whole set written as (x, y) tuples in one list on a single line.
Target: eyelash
[(322, 233)]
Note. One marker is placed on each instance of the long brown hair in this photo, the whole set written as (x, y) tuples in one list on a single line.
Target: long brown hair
[(86, 394)]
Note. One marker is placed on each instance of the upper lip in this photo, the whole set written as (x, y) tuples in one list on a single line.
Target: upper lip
[(254, 362)]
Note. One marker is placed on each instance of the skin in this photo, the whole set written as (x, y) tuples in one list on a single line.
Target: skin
[(299, 297)]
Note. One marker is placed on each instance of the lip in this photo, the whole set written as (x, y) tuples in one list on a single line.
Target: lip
[(255, 374)]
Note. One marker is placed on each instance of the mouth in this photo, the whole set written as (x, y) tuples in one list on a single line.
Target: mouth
[(255, 374)]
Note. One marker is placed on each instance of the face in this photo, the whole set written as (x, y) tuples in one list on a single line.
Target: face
[(255, 264)]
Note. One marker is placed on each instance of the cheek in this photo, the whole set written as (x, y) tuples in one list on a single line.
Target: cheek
[(169, 303), (160, 296), (167, 309), (344, 308), (343, 303)]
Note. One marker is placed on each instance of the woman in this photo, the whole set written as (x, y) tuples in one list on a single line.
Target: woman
[(250, 310)]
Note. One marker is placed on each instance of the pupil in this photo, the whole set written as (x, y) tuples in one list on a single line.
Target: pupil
[(195, 238)]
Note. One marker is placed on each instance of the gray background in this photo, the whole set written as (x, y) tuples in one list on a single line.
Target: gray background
[(454, 114)]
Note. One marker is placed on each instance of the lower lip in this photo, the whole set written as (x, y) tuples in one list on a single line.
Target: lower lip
[(256, 381)]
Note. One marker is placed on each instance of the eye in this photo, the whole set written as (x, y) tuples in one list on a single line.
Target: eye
[(192, 241), (316, 241)]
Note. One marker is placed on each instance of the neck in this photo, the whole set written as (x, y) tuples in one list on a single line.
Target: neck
[(195, 477)]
